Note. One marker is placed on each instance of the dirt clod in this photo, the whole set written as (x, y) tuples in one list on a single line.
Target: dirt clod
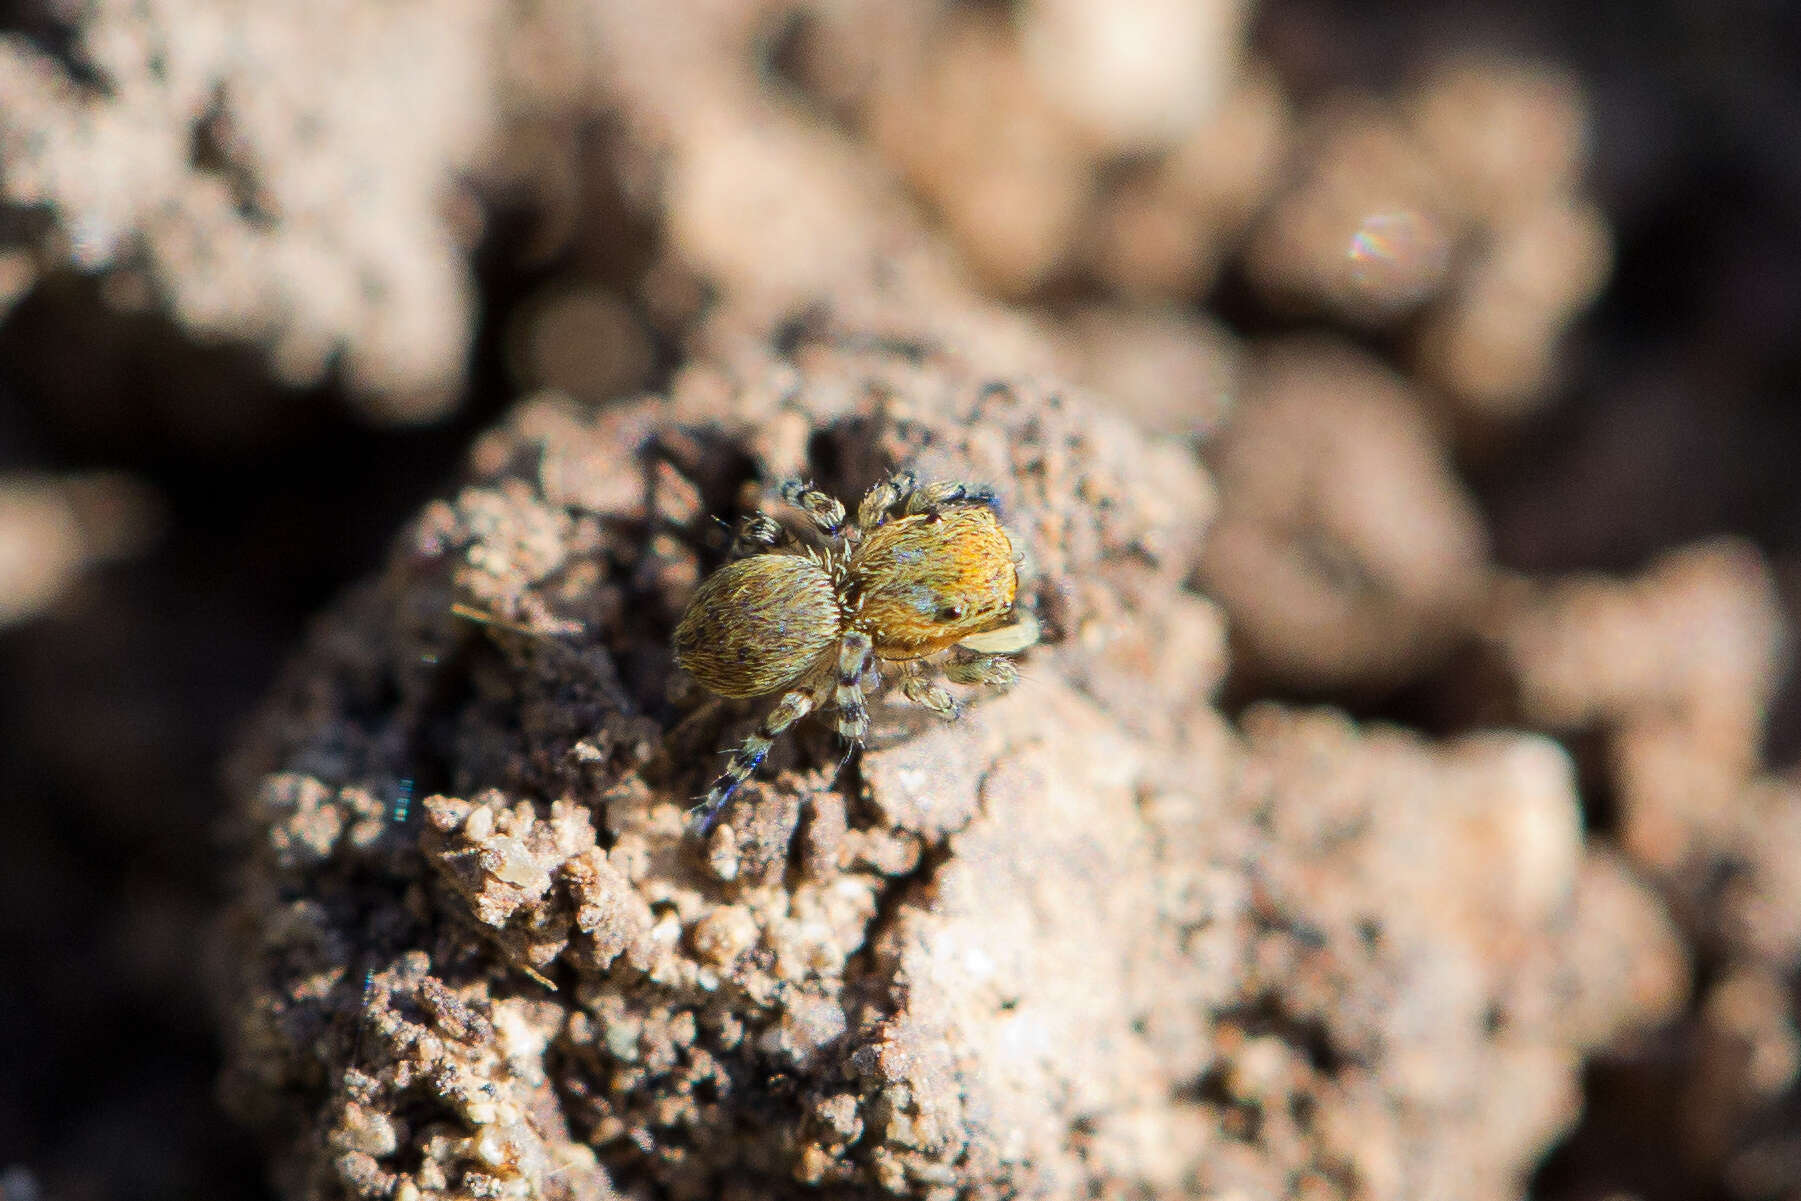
[(1086, 940)]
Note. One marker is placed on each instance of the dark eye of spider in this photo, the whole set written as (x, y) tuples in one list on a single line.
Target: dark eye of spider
[(950, 613)]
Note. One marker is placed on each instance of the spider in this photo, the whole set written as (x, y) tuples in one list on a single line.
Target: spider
[(923, 569)]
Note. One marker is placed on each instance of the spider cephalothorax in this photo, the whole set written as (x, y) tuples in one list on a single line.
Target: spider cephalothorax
[(923, 569)]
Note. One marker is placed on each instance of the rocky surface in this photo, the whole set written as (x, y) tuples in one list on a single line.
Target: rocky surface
[(1088, 940), (1400, 803)]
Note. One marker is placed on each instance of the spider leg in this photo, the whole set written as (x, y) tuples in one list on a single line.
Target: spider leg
[(758, 533), (749, 756), (921, 689), (853, 660), (934, 499), (824, 510), (990, 671), (881, 500)]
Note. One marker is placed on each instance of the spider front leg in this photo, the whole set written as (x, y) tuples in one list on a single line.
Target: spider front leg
[(934, 499), (749, 756), (882, 499), (824, 510), (901, 493), (921, 689), (758, 533)]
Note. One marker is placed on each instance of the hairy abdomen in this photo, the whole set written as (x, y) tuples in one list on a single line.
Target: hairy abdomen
[(757, 625)]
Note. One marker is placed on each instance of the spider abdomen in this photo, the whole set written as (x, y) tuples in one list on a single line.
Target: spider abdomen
[(759, 624)]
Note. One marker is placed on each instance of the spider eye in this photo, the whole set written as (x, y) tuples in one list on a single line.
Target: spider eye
[(950, 613)]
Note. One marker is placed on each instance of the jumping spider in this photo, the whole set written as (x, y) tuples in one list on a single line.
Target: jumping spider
[(923, 569)]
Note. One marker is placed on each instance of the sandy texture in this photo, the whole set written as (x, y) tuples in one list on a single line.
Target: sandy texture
[(1088, 939), (1268, 324)]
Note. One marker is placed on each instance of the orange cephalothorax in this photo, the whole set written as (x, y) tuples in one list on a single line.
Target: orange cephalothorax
[(926, 582)]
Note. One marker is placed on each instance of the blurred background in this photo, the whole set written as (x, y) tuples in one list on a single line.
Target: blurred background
[(1483, 313)]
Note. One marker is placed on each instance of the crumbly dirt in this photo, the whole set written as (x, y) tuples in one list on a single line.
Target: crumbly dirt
[(1348, 553), (1089, 940), (186, 152), (1395, 807), (1669, 677)]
